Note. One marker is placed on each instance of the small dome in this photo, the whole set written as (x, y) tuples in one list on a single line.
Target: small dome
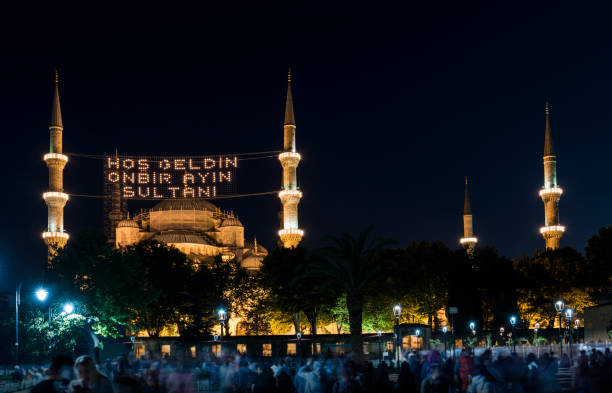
[(128, 224), (185, 204), (231, 222), (181, 236)]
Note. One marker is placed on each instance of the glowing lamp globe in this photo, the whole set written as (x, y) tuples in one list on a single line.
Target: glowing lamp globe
[(42, 294), (512, 320), (472, 325), (397, 310), (569, 313), (559, 304), (221, 314), (68, 308)]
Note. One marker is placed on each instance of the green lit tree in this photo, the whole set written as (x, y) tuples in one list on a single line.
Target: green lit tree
[(351, 264)]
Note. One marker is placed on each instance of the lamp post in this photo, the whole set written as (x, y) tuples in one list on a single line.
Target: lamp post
[(559, 305), (397, 311), (298, 335), (512, 323), (417, 333), (17, 302), (221, 315), (379, 334), (444, 333), (536, 328), (569, 313), (42, 294)]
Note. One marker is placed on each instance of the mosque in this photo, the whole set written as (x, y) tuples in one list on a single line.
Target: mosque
[(193, 225)]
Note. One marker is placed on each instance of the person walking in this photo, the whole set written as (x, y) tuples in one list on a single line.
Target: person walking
[(89, 379)]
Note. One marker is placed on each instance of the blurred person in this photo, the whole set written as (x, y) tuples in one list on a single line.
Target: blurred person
[(59, 375), (436, 382), (126, 384), (405, 381), (482, 382), (89, 379), (263, 382)]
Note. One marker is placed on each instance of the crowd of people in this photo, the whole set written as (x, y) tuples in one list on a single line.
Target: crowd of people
[(427, 372)]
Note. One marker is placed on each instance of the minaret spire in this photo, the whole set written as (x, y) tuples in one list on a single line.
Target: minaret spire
[(467, 209), (290, 195), (289, 116), (55, 198), (468, 241), (551, 192), (56, 112)]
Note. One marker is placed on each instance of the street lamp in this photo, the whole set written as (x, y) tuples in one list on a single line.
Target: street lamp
[(559, 305), (512, 323), (569, 313), (221, 314), (299, 343), (397, 311), (379, 334), (444, 332), (536, 328), (42, 294), (68, 308), (473, 327)]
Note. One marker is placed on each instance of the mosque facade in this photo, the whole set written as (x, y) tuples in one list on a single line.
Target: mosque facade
[(196, 227)]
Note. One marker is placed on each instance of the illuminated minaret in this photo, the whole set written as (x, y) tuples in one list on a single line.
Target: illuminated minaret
[(290, 195), (551, 192), (55, 198), (468, 241)]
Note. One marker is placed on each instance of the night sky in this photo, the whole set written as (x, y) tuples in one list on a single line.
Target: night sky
[(394, 106)]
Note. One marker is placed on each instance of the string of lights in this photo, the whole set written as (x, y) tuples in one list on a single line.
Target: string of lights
[(158, 199), (241, 156)]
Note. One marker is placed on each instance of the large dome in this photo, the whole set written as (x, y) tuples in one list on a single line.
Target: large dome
[(185, 204)]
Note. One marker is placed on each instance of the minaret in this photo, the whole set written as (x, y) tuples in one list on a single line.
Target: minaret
[(290, 234), (551, 192), (55, 198), (468, 241)]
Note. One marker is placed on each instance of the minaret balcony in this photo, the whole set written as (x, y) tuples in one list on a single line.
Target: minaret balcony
[(55, 156), (552, 229), (290, 196), (55, 236), (551, 191), (289, 158), (468, 240), (55, 198), (291, 231)]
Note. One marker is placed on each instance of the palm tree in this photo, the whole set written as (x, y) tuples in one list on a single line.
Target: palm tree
[(350, 263)]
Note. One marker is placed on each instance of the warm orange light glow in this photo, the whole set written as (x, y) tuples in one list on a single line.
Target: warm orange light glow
[(552, 228), (551, 191), (60, 235), (55, 156)]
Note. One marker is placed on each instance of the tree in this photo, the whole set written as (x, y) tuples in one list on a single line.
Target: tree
[(351, 264), (167, 274), (550, 275), (107, 284), (599, 262), (497, 283), (284, 274), (419, 278)]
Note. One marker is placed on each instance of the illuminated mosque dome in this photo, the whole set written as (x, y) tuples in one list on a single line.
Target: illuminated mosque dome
[(127, 223), (196, 227)]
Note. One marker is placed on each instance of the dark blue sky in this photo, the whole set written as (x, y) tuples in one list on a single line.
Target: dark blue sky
[(394, 106)]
